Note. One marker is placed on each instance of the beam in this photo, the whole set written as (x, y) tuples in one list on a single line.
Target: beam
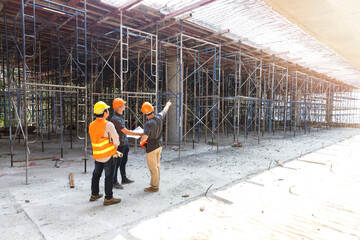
[(71, 3), (188, 8), (216, 34), (258, 50), (281, 53), (235, 42), (177, 13), (175, 21), (223, 44), (123, 7)]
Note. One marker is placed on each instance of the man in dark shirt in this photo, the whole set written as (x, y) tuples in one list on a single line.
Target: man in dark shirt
[(151, 141), (118, 120)]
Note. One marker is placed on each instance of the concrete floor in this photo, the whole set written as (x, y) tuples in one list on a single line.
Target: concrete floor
[(245, 200), (313, 197)]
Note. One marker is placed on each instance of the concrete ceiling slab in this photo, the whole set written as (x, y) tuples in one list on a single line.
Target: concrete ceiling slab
[(334, 23)]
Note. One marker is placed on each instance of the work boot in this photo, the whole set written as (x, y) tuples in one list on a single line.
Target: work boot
[(111, 201), (117, 185), (125, 180), (95, 197), (151, 189)]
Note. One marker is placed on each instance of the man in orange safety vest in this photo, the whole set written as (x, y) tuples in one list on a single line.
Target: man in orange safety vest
[(104, 142)]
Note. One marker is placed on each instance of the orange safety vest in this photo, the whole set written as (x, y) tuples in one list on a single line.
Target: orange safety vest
[(101, 146)]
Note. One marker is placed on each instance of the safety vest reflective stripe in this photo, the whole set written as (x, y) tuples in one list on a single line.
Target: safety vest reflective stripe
[(100, 144), (104, 150)]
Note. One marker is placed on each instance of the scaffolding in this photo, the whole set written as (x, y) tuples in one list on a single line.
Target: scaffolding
[(59, 58)]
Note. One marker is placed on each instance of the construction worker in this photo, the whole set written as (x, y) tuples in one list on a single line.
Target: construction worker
[(104, 141), (151, 141), (118, 120)]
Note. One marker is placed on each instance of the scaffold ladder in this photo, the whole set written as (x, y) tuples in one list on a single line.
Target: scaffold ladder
[(125, 47), (80, 47), (80, 112), (154, 54), (33, 17)]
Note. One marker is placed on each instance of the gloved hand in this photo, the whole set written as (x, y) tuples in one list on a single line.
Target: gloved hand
[(144, 144)]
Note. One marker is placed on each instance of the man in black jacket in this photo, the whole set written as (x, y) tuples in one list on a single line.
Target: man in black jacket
[(118, 120)]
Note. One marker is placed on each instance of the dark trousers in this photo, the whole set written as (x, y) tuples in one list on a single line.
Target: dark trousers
[(121, 162), (109, 171)]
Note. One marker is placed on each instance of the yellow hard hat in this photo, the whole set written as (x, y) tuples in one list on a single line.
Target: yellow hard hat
[(100, 107)]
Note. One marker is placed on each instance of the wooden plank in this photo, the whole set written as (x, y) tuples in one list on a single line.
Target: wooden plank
[(35, 159), (71, 179)]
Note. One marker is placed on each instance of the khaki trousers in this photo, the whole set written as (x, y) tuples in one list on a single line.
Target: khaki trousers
[(153, 162)]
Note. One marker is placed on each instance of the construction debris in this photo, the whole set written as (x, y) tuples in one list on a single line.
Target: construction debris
[(207, 191), (177, 148), (71, 179), (290, 190), (57, 160), (237, 144), (278, 162)]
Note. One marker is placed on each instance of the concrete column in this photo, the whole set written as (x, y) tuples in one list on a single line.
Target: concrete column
[(173, 86), (298, 107), (329, 105)]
